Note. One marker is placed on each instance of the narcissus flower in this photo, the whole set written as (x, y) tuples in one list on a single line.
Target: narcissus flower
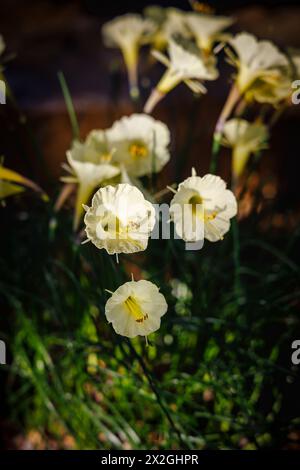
[(208, 29), (140, 143), (90, 164), (263, 72), (185, 64), (170, 22), (129, 32), (202, 208), (180, 290), (120, 220), (244, 138), (136, 308), (183, 295)]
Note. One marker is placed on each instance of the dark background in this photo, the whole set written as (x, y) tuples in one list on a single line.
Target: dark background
[(44, 37)]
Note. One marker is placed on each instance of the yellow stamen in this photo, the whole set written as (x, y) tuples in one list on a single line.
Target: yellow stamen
[(105, 158), (211, 216), (195, 201), (135, 310), (138, 150)]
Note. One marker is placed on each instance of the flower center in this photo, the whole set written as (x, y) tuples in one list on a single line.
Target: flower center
[(111, 224), (209, 217), (138, 150), (135, 310), (105, 158), (195, 201)]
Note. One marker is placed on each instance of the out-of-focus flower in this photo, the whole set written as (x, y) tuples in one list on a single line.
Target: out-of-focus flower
[(208, 29), (183, 295), (129, 32), (263, 72), (120, 220), (170, 22), (185, 64), (140, 144), (180, 290), (12, 183), (202, 208), (244, 138), (90, 164), (136, 308)]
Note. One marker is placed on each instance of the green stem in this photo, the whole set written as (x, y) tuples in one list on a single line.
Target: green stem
[(69, 105), (215, 152), (236, 257), (156, 393), (231, 102)]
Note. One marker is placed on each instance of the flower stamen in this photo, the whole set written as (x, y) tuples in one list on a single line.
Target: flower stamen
[(138, 150), (135, 310)]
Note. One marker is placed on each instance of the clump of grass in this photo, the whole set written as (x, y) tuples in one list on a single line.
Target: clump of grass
[(216, 375)]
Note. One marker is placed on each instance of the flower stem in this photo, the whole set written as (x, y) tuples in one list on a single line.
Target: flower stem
[(69, 105), (130, 55), (156, 393), (154, 98), (232, 99), (236, 257), (215, 152)]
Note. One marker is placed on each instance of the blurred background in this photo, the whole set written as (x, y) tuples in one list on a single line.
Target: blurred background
[(48, 36)]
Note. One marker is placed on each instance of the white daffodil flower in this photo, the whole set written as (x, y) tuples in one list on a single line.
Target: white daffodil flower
[(208, 29), (90, 165), (185, 64), (120, 220), (202, 208), (244, 138), (140, 144), (263, 72), (136, 308), (129, 32), (170, 22)]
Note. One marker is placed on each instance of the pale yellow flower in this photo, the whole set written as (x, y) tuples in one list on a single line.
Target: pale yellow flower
[(208, 29), (140, 143), (136, 308), (202, 208), (185, 64), (263, 72), (119, 220), (170, 22), (129, 32), (245, 138), (91, 165)]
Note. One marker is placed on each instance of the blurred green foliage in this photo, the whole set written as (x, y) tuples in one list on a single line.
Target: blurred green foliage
[(218, 373)]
